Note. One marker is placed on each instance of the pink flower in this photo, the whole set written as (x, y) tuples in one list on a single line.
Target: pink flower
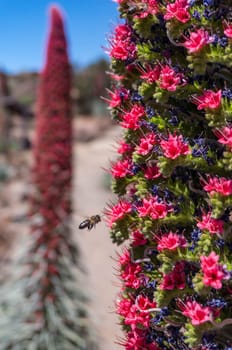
[(115, 100), (228, 31), (210, 224), (153, 208), (116, 77), (152, 74), (123, 306), (225, 136), (169, 79), (197, 40), (152, 172), (168, 282), (122, 47), (118, 212), (209, 100), (175, 279), (210, 185), (133, 341), (121, 168), (130, 275), (145, 208), (116, 97), (122, 50), (135, 319), (196, 312), (209, 262), (152, 346), (124, 258), (218, 185), (150, 8), (214, 278), (178, 10), (212, 271), (122, 32), (138, 238), (136, 340), (174, 146), (146, 144), (124, 147), (171, 241), (130, 120), (138, 314), (143, 303), (159, 210)]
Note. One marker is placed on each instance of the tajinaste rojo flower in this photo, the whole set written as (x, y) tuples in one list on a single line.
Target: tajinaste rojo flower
[(174, 174)]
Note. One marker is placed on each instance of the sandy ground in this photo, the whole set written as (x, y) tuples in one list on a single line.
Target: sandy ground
[(90, 197)]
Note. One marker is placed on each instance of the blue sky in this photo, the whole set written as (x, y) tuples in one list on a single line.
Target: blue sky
[(24, 25)]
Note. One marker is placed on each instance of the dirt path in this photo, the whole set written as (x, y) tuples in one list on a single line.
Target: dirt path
[(90, 197)]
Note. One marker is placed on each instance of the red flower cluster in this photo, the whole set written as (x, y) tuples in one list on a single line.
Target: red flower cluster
[(136, 340), (225, 136), (197, 41), (210, 224), (122, 48), (152, 172), (124, 147), (154, 208), (136, 311), (178, 10), (166, 76), (130, 275), (171, 241), (174, 146), (175, 279), (146, 144), (130, 120), (116, 97), (118, 211), (138, 238), (228, 31), (196, 312), (152, 74), (150, 7), (169, 79), (212, 271), (209, 100), (218, 185), (121, 168)]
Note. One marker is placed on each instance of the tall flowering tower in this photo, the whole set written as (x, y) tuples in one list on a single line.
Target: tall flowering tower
[(54, 252), (172, 96), (52, 312)]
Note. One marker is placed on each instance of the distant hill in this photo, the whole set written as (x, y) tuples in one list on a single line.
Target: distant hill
[(23, 87), (89, 84)]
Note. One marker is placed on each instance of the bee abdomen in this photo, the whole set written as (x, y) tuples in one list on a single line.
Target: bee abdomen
[(84, 224)]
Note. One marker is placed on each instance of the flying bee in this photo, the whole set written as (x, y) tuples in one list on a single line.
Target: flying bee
[(90, 222)]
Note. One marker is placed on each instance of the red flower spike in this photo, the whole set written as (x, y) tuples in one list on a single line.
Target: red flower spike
[(51, 201)]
